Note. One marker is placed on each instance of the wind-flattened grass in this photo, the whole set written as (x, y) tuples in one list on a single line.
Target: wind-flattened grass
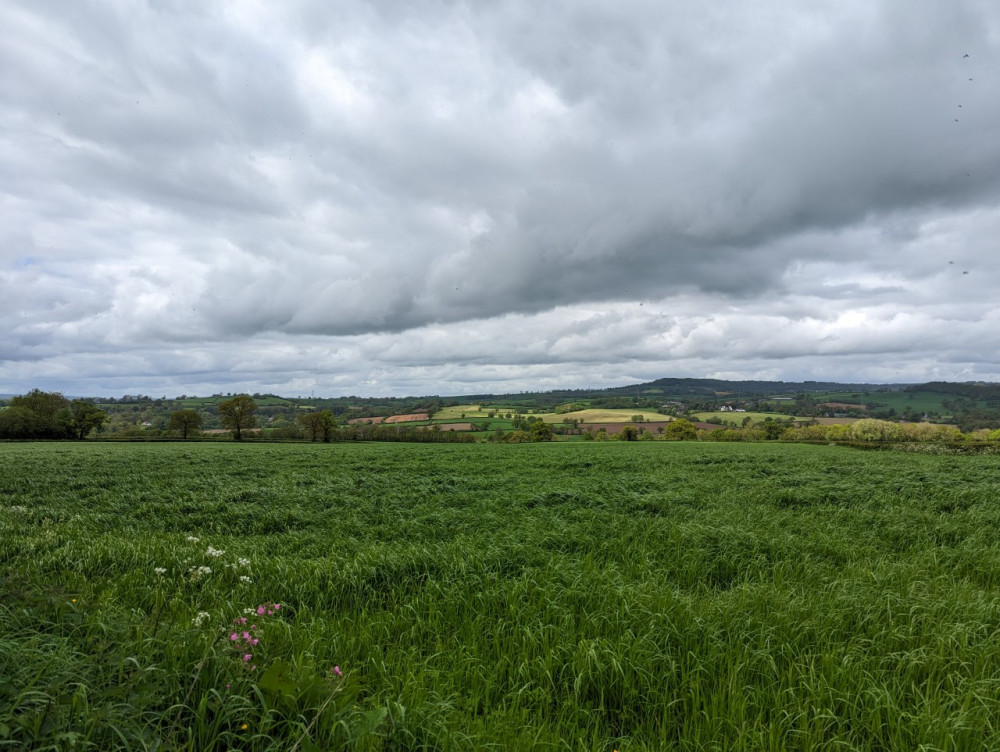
[(593, 596)]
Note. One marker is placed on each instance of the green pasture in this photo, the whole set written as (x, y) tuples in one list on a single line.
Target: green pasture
[(738, 418), (584, 596)]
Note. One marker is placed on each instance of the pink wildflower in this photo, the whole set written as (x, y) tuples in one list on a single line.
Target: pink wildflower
[(234, 636), (337, 671), (261, 610), (247, 657), (277, 606)]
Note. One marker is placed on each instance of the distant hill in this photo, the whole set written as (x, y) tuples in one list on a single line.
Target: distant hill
[(668, 388)]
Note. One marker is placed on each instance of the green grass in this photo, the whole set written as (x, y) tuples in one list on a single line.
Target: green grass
[(738, 418), (647, 596)]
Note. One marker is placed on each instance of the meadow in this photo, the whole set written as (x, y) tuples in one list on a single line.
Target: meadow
[(589, 596)]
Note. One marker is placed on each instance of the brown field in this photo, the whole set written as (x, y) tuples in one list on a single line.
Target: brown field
[(844, 405), (456, 427), (411, 418), (366, 420)]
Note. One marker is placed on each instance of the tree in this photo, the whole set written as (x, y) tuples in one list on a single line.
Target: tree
[(680, 430), (237, 414), (628, 433), (185, 421), (318, 424), (17, 423), (85, 417), (540, 431)]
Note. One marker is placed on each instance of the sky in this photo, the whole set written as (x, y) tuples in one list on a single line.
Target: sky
[(444, 197)]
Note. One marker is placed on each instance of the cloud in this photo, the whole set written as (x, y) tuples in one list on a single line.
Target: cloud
[(387, 193)]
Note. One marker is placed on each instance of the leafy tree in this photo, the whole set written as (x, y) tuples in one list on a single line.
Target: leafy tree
[(318, 424), (628, 433), (772, 429), (18, 423), (680, 430), (185, 421), (540, 431), (85, 417), (237, 414)]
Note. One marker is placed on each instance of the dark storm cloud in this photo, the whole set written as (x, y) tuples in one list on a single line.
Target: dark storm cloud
[(179, 183)]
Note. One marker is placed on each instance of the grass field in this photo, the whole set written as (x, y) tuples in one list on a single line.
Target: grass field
[(599, 596), (738, 418)]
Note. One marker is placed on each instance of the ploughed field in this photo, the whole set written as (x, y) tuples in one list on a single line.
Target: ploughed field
[(599, 596)]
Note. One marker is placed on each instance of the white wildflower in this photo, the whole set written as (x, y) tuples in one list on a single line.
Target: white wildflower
[(244, 562), (192, 539), (201, 618), (244, 578), (160, 570), (197, 572), (214, 552)]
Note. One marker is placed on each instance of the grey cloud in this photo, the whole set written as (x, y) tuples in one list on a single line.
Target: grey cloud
[(202, 177)]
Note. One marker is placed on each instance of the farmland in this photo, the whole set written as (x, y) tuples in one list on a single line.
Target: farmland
[(598, 596)]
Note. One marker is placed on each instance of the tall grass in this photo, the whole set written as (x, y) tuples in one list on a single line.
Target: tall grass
[(565, 597)]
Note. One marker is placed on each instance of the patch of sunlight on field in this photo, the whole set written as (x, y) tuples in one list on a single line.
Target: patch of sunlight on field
[(458, 412)]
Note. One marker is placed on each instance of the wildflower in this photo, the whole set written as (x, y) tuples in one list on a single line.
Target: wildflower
[(201, 618), (192, 539), (160, 570), (234, 636), (244, 578), (247, 657), (72, 600), (337, 671), (244, 726), (261, 610), (214, 552), (197, 572), (244, 562)]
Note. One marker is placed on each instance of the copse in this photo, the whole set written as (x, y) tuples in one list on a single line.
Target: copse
[(237, 414), (49, 415)]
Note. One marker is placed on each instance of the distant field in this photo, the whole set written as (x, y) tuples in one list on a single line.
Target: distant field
[(738, 418), (919, 401), (472, 412), (585, 596), (603, 416)]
